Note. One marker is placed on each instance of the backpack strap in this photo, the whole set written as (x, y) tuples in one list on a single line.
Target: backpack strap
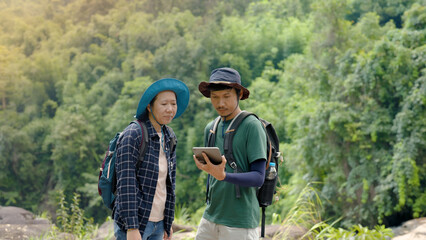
[(212, 133), (262, 227), (211, 140), (269, 154), (173, 140), (229, 137), (227, 144), (144, 141)]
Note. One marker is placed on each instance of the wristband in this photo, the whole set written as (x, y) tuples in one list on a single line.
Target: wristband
[(131, 229)]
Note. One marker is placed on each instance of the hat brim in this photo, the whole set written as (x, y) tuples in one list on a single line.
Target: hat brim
[(203, 87), (165, 84)]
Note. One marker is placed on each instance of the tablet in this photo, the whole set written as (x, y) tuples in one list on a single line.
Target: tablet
[(212, 152)]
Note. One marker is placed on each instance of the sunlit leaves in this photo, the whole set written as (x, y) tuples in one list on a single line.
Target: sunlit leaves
[(343, 85), (415, 18)]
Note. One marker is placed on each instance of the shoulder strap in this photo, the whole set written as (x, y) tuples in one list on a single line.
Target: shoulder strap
[(211, 140), (173, 140), (269, 143), (228, 148), (144, 141), (229, 137)]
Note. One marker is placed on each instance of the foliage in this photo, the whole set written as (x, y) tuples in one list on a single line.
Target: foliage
[(343, 82), (343, 118), (181, 215), (358, 232), (306, 215), (70, 218)]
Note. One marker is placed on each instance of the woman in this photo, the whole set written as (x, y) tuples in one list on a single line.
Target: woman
[(144, 207)]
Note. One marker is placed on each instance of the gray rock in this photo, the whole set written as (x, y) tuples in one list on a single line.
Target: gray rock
[(18, 223), (15, 215), (414, 229), (105, 231)]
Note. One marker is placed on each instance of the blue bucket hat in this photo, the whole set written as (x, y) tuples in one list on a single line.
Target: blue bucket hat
[(224, 76), (178, 87)]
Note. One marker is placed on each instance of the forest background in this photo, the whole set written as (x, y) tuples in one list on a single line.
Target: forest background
[(343, 82)]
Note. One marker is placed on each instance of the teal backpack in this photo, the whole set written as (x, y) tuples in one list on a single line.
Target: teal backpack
[(107, 182)]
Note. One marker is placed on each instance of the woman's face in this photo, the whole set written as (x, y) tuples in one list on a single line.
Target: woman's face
[(164, 107)]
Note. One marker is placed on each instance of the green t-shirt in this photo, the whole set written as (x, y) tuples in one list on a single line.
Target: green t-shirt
[(249, 145)]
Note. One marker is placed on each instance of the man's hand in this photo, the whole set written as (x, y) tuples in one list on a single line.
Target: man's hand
[(217, 171)]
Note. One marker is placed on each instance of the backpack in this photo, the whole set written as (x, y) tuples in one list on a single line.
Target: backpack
[(266, 192), (107, 182)]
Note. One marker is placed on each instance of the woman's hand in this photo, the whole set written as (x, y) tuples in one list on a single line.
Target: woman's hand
[(217, 171), (168, 237), (134, 234)]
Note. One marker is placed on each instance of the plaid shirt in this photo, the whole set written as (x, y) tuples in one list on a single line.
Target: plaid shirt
[(136, 189)]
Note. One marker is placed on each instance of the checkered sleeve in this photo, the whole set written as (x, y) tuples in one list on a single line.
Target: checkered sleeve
[(127, 157)]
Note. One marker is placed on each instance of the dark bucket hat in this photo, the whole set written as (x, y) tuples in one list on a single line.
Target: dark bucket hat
[(180, 88), (224, 76)]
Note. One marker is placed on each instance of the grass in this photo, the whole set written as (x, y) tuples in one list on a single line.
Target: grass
[(304, 214), (70, 220)]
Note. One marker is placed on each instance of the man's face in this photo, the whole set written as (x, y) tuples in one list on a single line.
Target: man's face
[(224, 101)]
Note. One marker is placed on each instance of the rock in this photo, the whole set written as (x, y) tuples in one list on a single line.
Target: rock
[(414, 229), (61, 236), (283, 232), (15, 215), (18, 223), (183, 228), (184, 232), (106, 231), (184, 235)]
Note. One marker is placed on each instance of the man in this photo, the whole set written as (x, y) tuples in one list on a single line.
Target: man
[(232, 210)]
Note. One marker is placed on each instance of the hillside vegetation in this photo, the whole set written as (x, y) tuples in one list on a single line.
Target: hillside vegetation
[(343, 82)]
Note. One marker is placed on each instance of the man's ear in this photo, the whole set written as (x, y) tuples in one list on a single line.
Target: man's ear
[(148, 107), (241, 94)]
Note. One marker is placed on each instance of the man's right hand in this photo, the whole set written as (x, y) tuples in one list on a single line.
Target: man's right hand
[(217, 171)]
